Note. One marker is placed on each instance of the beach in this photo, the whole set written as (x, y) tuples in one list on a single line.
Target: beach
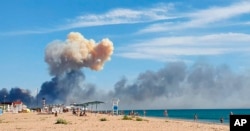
[(99, 122)]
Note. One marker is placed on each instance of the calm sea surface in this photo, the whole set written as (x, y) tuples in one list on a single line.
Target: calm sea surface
[(204, 115)]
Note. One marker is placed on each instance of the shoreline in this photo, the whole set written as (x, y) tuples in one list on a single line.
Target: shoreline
[(211, 116), (187, 120)]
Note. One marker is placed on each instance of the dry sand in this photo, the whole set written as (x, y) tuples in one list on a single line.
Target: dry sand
[(92, 122)]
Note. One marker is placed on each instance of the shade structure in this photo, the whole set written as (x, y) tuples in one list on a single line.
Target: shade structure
[(82, 104), (89, 103), (95, 103)]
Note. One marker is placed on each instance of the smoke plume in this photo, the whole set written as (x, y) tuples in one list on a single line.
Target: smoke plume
[(65, 60), (77, 52), (176, 85), (179, 86), (66, 89), (17, 94)]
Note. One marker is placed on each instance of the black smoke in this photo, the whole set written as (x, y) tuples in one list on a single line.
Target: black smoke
[(66, 89), (65, 60), (176, 85), (17, 94)]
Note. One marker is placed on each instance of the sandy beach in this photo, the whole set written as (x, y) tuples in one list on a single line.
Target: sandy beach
[(92, 122)]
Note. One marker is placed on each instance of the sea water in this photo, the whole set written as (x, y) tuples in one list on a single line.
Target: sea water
[(204, 115)]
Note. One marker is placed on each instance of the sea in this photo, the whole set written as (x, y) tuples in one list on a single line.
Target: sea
[(204, 115)]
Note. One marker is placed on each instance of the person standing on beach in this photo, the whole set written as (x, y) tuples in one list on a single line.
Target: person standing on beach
[(221, 120), (165, 113), (195, 117)]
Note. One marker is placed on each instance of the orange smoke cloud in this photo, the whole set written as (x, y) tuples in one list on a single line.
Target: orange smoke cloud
[(77, 52)]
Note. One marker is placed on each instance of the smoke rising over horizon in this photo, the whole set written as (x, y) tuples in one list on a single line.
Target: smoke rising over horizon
[(68, 89), (15, 94), (65, 60), (174, 86), (178, 86)]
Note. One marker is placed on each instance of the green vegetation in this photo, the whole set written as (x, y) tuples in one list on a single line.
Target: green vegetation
[(132, 118), (139, 119), (61, 121), (103, 119), (127, 118)]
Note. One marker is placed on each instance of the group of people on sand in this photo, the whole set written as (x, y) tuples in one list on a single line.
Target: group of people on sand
[(76, 112)]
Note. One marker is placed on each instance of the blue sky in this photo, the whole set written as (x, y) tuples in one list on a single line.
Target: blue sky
[(146, 35)]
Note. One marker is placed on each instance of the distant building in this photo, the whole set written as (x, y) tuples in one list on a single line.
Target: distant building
[(4, 105), (14, 107), (17, 106)]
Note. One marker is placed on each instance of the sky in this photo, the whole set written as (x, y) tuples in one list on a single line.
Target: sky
[(149, 37)]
